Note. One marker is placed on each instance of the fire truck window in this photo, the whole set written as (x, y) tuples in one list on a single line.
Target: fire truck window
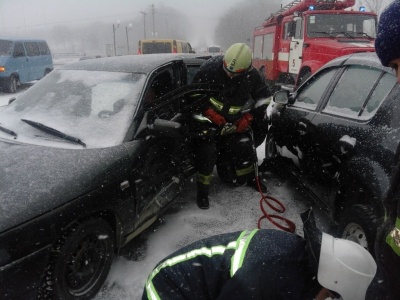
[(299, 30), (268, 45), (350, 94), (257, 51), (286, 31), (312, 92)]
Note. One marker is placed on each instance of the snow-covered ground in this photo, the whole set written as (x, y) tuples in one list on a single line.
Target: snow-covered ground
[(231, 209)]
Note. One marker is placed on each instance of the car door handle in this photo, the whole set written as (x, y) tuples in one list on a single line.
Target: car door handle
[(124, 185)]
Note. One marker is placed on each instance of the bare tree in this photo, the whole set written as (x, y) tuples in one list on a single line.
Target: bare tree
[(238, 23), (375, 6)]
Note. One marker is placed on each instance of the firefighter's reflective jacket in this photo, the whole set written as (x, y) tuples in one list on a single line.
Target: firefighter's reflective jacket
[(236, 91), (258, 264)]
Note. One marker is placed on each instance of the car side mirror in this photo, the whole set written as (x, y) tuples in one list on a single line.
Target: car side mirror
[(281, 97), (11, 100)]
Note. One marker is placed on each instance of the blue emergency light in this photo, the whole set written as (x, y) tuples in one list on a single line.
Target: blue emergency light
[(362, 8), (311, 7)]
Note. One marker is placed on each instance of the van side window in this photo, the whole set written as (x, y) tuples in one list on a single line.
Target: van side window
[(43, 48), (5, 47), (32, 49), (19, 50)]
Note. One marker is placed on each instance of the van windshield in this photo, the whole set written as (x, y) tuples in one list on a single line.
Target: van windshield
[(5, 47), (156, 47)]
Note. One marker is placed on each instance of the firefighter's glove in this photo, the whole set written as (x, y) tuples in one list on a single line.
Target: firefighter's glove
[(215, 117), (244, 123), (228, 129)]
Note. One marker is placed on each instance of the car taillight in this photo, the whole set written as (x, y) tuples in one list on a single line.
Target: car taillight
[(2, 69)]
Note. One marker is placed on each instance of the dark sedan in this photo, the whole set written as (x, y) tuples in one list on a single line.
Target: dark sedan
[(339, 133), (89, 157)]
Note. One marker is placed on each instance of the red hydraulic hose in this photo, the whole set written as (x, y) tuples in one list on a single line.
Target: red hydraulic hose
[(278, 207)]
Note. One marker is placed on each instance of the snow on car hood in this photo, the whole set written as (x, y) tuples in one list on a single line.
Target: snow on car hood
[(36, 179)]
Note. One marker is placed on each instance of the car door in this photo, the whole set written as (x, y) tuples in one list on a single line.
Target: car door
[(343, 128), (21, 62), (163, 163), (292, 127)]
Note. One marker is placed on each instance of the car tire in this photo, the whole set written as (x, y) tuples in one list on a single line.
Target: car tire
[(12, 85), (359, 223), (79, 262)]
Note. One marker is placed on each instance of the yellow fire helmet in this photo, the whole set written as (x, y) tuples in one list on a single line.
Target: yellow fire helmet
[(237, 58)]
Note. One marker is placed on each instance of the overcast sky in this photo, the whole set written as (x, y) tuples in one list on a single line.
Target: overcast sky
[(30, 14)]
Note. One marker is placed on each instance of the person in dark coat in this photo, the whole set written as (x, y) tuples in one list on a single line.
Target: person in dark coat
[(387, 244), (241, 85), (264, 264)]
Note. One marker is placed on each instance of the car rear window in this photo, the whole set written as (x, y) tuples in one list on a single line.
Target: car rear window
[(382, 90), (157, 47), (351, 94)]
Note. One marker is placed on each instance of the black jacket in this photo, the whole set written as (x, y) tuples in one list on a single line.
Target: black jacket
[(258, 264), (235, 91)]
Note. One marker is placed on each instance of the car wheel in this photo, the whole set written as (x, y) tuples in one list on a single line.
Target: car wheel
[(12, 84), (80, 261), (359, 224)]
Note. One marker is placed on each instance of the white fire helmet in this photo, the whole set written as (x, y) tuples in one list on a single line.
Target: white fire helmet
[(345, 267)]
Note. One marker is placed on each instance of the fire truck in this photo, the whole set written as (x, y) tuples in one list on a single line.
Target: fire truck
[(302, 36)]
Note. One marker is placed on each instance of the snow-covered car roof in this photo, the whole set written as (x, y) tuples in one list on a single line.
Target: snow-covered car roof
[(130, 63)]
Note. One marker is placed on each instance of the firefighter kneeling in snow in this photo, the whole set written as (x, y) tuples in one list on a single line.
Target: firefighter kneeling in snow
[(264, 264), (240, 83)]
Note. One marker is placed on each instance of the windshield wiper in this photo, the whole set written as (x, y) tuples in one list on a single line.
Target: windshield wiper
[(363, 33), (324, 32), (54, 132), (344, 33), (10, 132)]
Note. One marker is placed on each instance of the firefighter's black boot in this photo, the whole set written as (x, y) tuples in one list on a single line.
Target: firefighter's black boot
[(252, 182), (202, 196)]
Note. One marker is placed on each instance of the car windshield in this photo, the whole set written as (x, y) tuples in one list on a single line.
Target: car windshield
[(347, 25), (94, 106)]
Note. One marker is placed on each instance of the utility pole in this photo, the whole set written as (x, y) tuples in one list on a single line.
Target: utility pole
[(152, 11), (144, 23)]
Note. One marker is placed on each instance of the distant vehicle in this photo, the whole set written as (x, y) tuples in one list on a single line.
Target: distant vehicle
[(338, 134), (164, 46), (214, 50), (23, 60)]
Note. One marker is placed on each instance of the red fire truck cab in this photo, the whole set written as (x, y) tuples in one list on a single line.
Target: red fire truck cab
[(297, 40)]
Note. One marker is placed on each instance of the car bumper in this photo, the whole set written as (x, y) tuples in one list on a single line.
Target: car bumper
[(21, 279)]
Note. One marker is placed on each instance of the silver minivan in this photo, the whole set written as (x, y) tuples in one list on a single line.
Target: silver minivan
[(23, 60)]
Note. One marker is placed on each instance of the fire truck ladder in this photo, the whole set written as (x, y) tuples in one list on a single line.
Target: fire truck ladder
[(287, 6)]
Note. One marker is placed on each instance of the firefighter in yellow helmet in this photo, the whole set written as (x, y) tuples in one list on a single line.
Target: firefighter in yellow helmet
[(240, 85)]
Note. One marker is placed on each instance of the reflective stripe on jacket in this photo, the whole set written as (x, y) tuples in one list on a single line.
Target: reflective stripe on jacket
[(240, 246)]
